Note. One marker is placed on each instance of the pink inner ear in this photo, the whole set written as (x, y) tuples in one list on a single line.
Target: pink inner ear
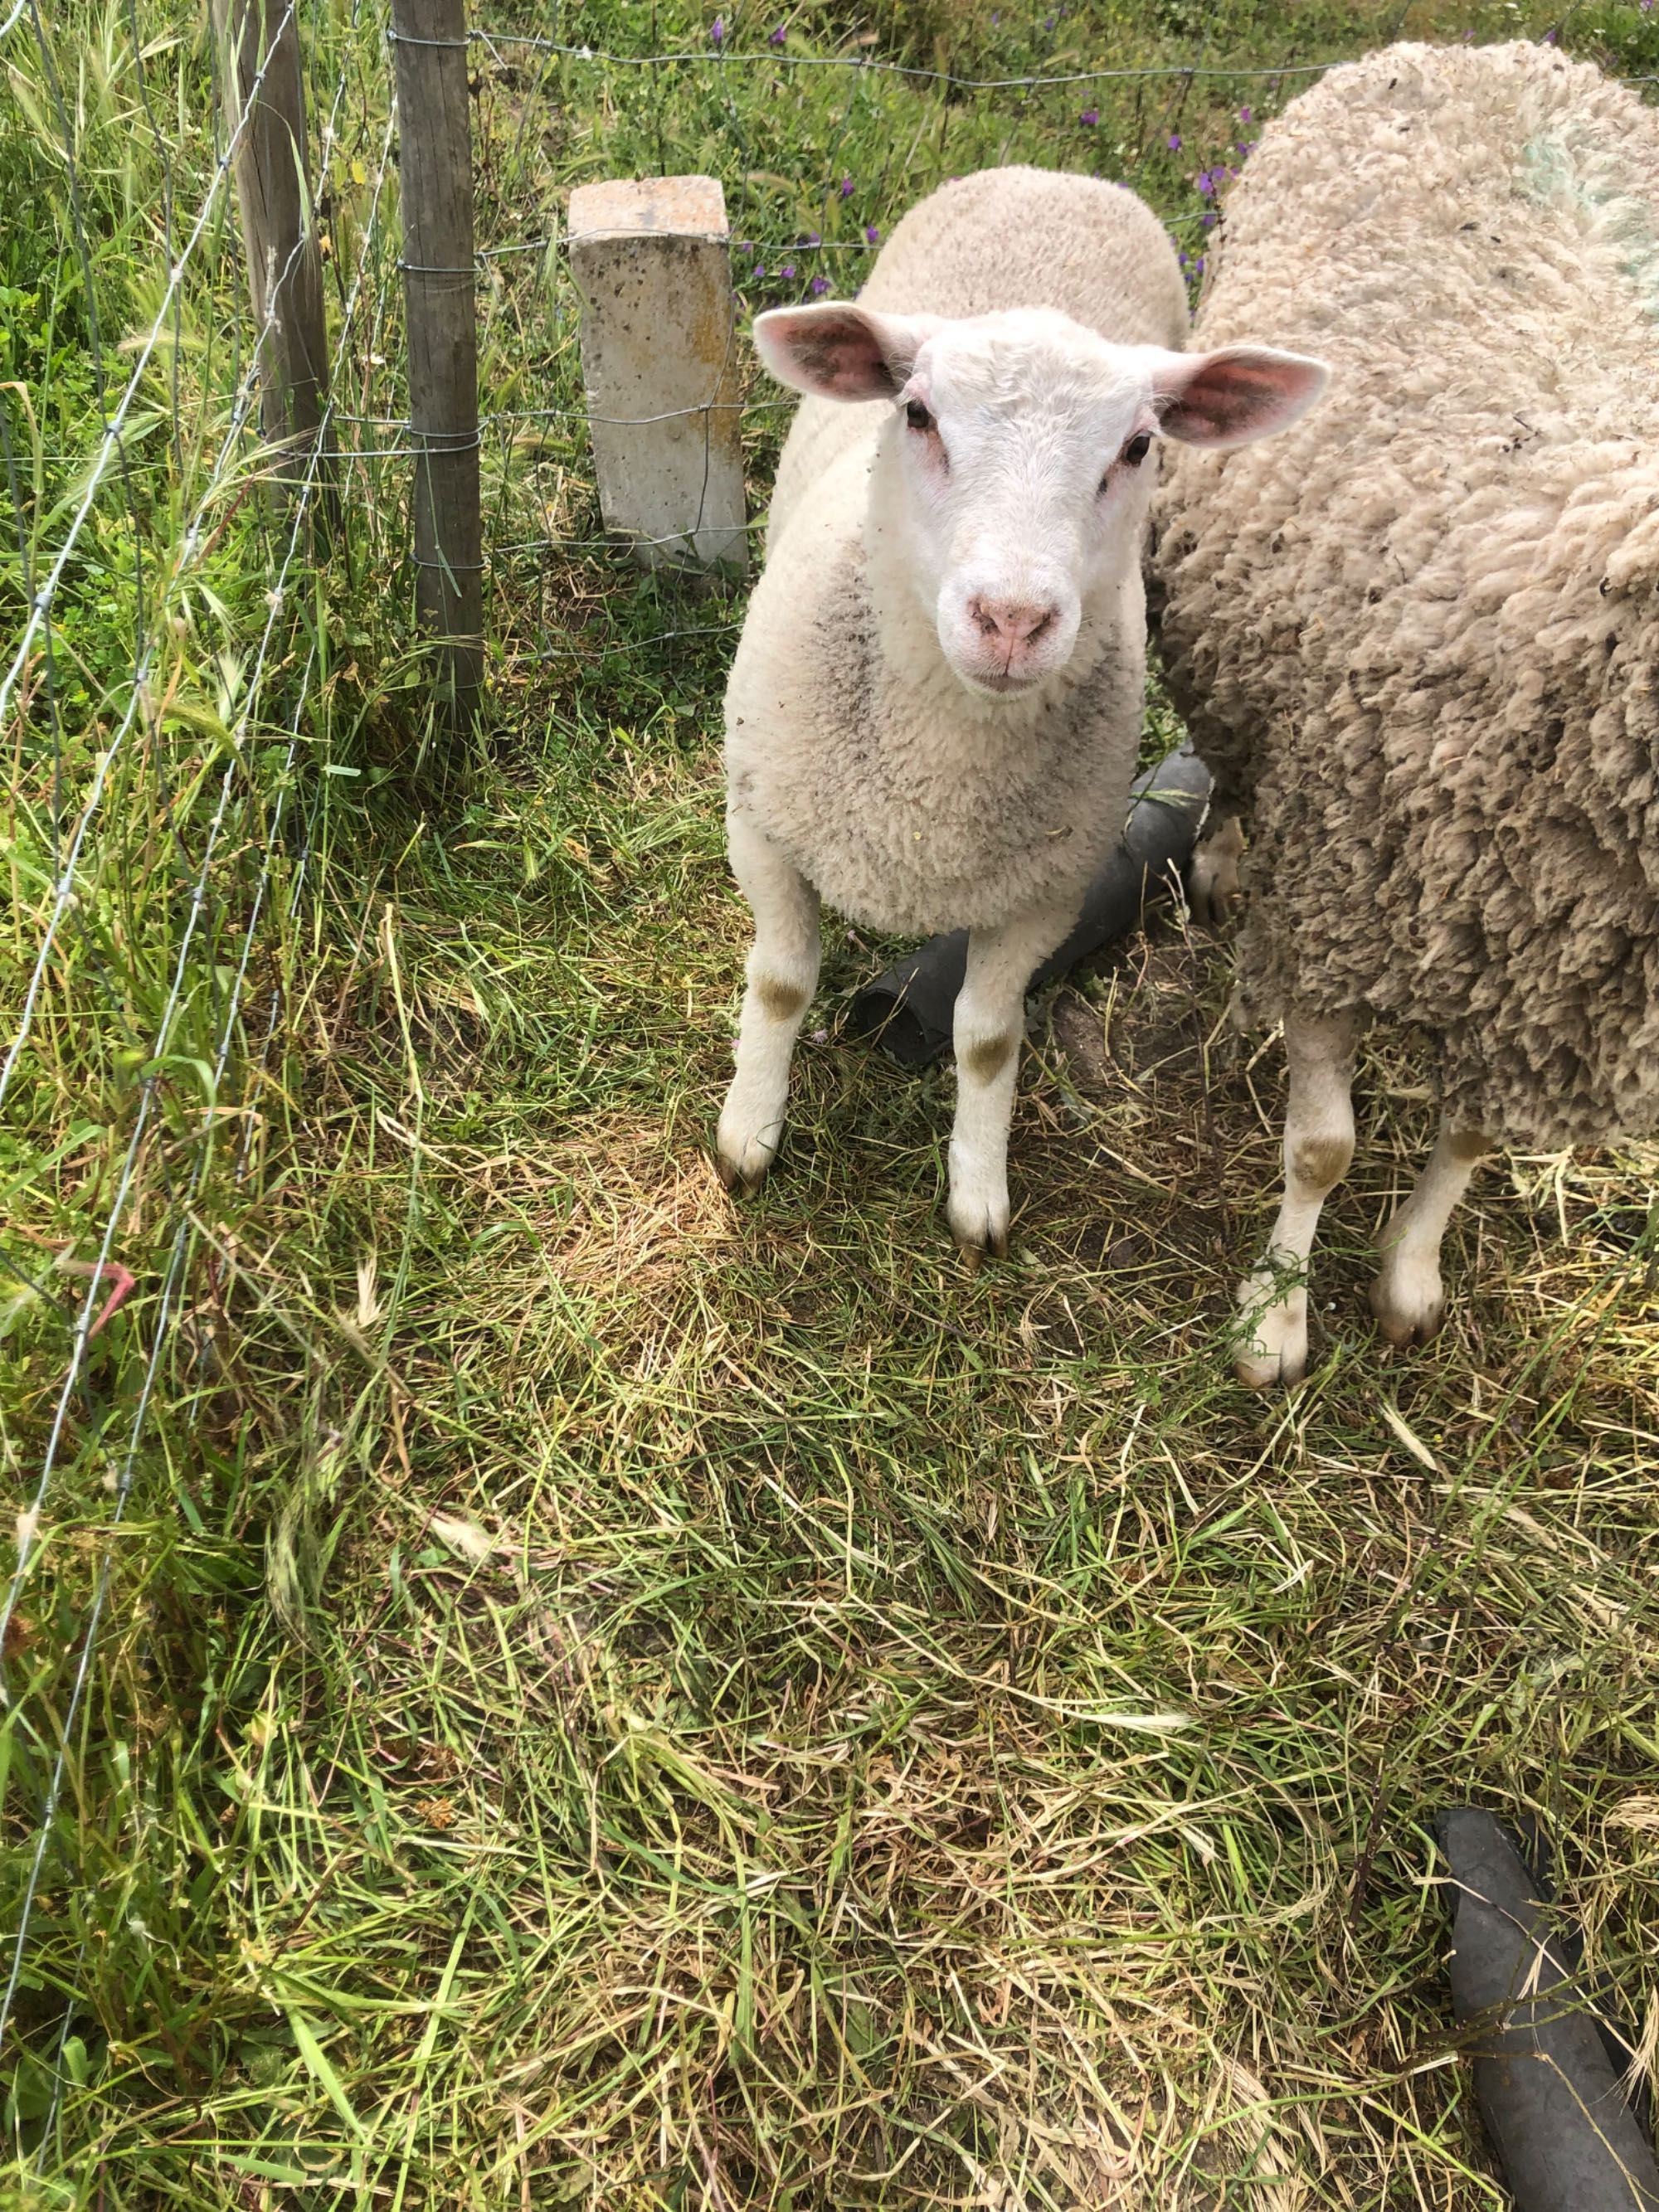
[(838, 356), (1237, 394)]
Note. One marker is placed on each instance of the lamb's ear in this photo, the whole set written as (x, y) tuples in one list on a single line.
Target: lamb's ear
[(1235, 394), (841, 352)]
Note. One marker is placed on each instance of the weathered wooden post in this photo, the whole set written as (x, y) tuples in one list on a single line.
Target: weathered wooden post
[(652, 260), (279, 233), (434, 169)]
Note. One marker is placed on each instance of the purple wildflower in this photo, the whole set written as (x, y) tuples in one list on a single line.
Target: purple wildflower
[(819, 287), (1089, 115), (775, 38), (1047, 22), (1244, 114), (811, 239), (1550, 38), (787, 271), (717, 32), (1205, 183), (1206, 220), (871, 235), (1184, 260), (847, 188), (1175, 142), (758, 271), (1199, 264)]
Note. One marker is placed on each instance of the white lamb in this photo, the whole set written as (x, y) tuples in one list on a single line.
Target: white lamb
[(932, 716), (1418, 640)]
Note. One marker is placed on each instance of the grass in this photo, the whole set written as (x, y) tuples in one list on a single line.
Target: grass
[(601, 1698)]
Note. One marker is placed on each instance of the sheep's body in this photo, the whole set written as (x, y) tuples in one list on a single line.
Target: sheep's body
[(908, 804), (1417, 639)]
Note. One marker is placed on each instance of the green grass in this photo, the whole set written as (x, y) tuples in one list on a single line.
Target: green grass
[(607, 1699)]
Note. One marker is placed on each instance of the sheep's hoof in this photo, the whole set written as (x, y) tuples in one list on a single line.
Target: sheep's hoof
[(973, 1251), (1276, 1372), (979, 1228), (1271, 1351), (1409, 1306), (743, 1177), (1212, 877), (733, 1176), (746, 1143)]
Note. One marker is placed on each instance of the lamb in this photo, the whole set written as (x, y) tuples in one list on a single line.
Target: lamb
[(1416, 640), (932, 714)]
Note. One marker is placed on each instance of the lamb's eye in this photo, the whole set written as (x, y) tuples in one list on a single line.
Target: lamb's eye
[(917, 415), (1138, 448)]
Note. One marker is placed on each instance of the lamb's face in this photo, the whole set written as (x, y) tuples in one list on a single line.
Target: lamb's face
[(1019, 463), (1023, 454)]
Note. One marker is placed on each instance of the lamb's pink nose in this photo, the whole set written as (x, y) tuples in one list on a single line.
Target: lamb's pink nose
[(1012, 624)]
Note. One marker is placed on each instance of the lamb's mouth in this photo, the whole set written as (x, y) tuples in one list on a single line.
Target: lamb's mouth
[(999, 684)]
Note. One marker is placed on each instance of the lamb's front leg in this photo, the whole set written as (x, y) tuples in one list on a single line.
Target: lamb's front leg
[(989, 1028), (783, 974), (1318, 1146)]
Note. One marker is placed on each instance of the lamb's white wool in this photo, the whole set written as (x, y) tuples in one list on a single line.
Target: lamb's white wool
[(932, 716), (1416, 642)]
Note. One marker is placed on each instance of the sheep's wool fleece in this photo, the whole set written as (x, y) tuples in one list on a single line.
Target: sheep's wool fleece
[(1416, 637), (909, 804)]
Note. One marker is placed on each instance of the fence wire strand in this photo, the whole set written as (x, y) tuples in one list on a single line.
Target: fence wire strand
[(236, 769)]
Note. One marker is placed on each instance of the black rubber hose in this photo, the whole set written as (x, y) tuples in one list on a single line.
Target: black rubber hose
[(1547, 2090), (909, 1009)]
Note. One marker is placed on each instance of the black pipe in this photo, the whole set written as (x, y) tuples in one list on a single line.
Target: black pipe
[(1548, 2090), (909, 1009)]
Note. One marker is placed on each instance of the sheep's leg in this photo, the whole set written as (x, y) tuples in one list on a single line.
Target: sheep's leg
[(1408, 1297), (989, 1028), (782, 976), (1318, 1146), (1213, 885)]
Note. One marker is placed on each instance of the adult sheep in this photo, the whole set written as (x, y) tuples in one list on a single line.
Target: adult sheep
[(932, 716), (1417, 640)]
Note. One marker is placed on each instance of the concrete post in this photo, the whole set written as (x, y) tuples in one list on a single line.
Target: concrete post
[(652, 260)]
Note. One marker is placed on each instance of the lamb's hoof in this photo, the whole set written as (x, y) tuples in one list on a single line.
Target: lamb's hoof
[(741, 1162), (1409, 1304), (979, 1226), (1272, 1349), (741, 1181), (1278, 1371)]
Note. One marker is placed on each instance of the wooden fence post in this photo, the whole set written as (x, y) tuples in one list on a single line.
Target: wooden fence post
[(279, 231), (434, 169), (651, 259)]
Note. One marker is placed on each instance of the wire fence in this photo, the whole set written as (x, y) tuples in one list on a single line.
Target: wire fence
[(182, 628), (156, 868), (852, 140)]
